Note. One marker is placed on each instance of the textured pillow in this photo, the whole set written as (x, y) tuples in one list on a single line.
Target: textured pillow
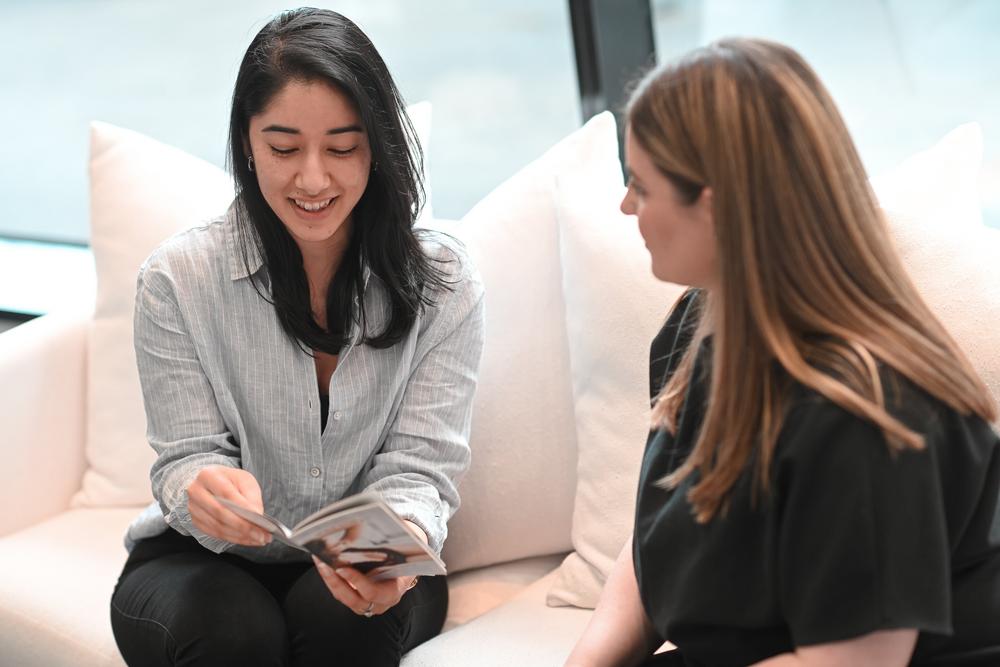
[(614, 307), (940, 183), (517, 498), (933, 208), (141, 192)]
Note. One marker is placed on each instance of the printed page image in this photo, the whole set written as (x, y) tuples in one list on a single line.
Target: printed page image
[(370, 541)]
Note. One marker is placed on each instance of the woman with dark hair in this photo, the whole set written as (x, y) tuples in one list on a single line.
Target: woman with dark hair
[(307, 345), (821, 483)]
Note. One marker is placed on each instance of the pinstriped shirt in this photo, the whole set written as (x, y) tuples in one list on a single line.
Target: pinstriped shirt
[(224, 385)]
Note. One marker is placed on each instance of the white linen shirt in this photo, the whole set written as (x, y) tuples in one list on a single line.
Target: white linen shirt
[(224, 385)]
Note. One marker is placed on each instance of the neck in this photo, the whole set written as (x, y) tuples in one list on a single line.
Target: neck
[(321, 259)]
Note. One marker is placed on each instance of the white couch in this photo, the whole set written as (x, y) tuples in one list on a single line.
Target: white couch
[(559, 422)]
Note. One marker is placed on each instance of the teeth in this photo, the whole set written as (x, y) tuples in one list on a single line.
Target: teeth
[(313, 206)]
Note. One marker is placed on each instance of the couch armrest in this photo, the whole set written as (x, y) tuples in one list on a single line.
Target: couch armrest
[(42, 430)]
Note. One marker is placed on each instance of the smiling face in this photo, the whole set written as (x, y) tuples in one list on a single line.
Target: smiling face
[(680, 236), (312, 159)]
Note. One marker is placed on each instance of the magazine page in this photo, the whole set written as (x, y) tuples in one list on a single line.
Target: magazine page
[(363, 498), (371, 539)]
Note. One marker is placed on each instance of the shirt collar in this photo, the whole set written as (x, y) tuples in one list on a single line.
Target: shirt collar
[(239, 269)]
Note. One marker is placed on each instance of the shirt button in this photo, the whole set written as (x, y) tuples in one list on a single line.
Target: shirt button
[(315, 472), (337, 415)]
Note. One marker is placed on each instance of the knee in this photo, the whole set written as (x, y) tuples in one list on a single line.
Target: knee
[(200, 630), (233, 631)]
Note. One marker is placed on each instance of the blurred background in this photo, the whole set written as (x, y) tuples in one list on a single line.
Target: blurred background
[(503, 79)]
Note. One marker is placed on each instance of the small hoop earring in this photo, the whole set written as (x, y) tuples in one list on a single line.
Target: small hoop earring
[(250, 163)]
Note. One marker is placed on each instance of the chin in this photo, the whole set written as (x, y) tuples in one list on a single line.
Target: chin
[(321, 230)]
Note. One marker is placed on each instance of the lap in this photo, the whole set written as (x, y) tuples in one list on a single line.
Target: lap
[(176, 598)]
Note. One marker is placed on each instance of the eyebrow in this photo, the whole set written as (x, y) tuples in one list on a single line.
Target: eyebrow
[(292, 130)]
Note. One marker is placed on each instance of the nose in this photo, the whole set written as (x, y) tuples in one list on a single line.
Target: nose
[(312, 177), (628, 205)]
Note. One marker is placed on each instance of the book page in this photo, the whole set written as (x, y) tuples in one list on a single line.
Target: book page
[(371, 539)]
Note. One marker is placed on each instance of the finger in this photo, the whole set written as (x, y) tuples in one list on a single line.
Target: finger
[(209, 525), (236, 523), (340, 589), (210, 522), (202, 495), (368, 589), (247, 486)]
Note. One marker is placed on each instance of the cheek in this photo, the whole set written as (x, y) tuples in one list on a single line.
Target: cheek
[(271, 175), (352, 175)]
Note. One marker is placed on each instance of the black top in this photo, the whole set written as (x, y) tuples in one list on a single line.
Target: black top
[(324, 410), (849, 540)]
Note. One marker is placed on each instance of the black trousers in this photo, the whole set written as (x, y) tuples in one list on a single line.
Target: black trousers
[(177, 603)]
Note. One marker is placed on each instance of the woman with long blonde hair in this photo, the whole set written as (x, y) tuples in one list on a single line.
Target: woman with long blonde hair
[(821, 483)]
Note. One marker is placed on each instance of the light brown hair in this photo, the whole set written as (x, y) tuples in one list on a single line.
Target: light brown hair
[(810, 285)]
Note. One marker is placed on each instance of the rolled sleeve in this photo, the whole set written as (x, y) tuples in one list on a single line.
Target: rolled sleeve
[(418, 468), (184, 424)]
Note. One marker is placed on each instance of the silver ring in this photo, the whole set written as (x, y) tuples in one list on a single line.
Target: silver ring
[(367, 613)]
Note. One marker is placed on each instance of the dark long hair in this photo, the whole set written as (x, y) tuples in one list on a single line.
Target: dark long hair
[(323, 46)]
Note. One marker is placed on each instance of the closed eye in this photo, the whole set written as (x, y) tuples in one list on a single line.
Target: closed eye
[(280, 151), (346, 151)]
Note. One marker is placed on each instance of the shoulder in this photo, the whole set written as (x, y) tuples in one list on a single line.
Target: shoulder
[(189, 258), (815, 427), (673, 339), (451, 259)]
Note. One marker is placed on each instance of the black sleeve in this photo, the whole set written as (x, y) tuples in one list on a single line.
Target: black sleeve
[(672, 340), (862, 541)]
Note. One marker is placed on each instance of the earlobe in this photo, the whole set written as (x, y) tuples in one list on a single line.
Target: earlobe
[(704, 202)]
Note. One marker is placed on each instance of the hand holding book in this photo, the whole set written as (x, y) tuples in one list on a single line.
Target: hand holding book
[(360, 532)]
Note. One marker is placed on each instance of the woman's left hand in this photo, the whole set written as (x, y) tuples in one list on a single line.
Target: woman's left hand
[(360, 593)]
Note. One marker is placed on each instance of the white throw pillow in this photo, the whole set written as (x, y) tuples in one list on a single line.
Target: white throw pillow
[(614, 308), (941, 183), (932, 203), (517, 498), (141, 193)]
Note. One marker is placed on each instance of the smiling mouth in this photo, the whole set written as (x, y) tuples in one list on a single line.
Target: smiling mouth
[(312, 206)]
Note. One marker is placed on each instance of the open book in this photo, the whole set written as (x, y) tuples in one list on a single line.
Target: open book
[(361, 532)]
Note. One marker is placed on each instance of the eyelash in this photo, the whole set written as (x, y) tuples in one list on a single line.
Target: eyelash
[(284, 153), (635, 186)]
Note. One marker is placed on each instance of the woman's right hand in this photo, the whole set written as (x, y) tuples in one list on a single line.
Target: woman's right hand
[(212, 518)]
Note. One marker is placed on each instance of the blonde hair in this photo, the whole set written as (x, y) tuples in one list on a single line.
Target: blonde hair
[(810, 286)]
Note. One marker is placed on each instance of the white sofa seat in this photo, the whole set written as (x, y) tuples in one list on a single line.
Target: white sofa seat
[(524, 632), (56, 580)]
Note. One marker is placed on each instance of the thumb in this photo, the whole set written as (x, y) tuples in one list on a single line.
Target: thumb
[(247, 486)]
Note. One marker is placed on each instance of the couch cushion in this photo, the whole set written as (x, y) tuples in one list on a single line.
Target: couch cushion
[(56, 580), (141, 193), (614, 307), (472, 593), (517, 498), (524, 632)]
